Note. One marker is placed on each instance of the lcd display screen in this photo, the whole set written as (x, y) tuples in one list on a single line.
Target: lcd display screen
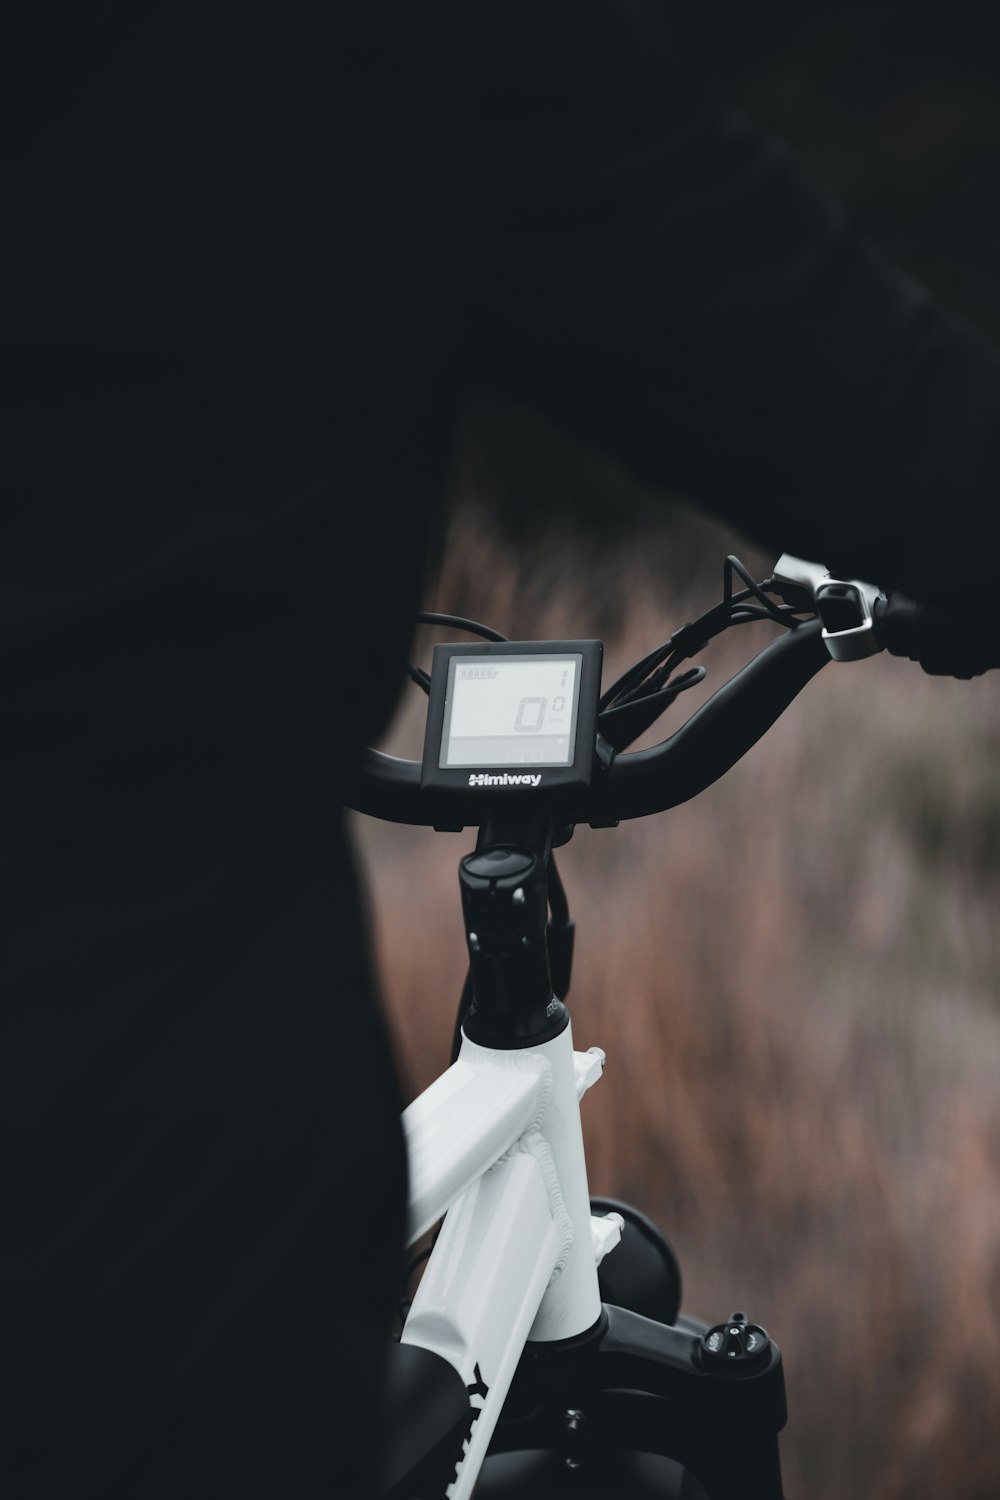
[(511, 711)]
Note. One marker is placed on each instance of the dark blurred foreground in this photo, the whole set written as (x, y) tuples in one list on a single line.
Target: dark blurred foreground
[(893, 108)]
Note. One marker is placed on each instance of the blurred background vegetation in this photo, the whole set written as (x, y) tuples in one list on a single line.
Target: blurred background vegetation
[(797, 977)]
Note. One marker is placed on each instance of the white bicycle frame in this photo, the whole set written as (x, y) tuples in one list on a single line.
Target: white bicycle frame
[(496, 1143)]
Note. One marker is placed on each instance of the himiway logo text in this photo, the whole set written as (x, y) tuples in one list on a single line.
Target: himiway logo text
[(483, 778)]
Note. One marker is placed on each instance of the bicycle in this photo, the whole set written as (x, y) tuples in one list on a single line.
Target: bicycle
[(545, 1349)]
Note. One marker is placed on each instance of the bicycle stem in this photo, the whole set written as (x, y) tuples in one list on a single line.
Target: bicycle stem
[(504, 886)]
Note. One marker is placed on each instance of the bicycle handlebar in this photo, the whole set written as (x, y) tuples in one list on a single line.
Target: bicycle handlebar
[(719, 733), (855, 620), (631, 785)]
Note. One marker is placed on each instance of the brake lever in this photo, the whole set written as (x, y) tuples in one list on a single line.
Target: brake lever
[(846, 606)]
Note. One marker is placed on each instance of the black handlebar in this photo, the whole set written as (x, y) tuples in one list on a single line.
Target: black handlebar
[(630, 785), (852, 620), (719, 733)]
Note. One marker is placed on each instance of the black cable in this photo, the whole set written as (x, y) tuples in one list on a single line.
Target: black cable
[(558, 902), (661, 679), (651, 673), (403, 1302), (454, 622), (458, 622), (464, 1005), (787, 615), (633, 677), (733, 565), (623, 723)]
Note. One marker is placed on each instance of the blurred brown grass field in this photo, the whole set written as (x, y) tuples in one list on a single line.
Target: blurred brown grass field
[(795, 978)]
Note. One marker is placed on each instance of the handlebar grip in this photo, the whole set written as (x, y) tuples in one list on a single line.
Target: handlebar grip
[(943, 644)]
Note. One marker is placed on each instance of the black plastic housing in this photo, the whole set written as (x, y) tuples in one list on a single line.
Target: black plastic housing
[(533, 781)]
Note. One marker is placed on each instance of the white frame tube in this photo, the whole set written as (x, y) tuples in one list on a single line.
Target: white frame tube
[(480, 1293), (497, 1142), (464, 1122)]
